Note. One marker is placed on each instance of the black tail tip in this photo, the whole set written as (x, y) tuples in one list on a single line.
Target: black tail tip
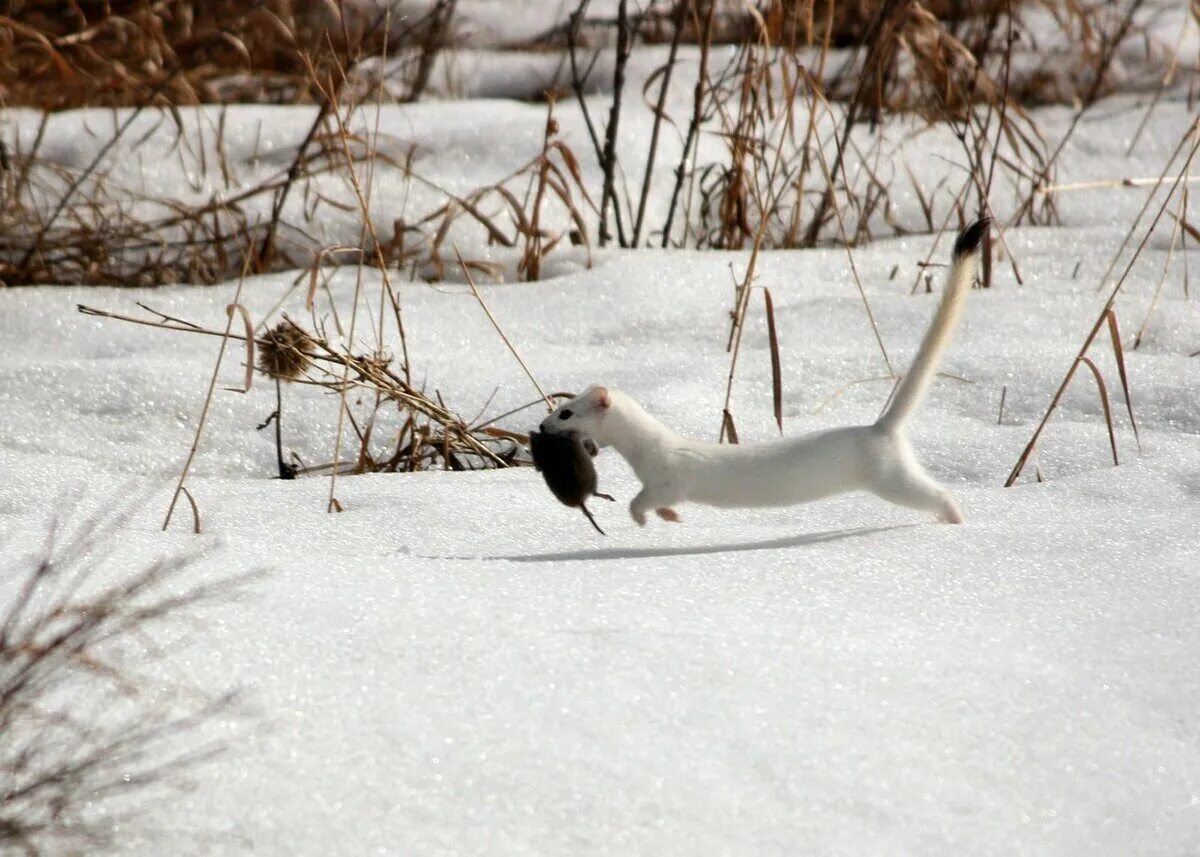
[(971, 237)]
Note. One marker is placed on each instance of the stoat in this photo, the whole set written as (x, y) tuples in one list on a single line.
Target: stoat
[(876, 458)]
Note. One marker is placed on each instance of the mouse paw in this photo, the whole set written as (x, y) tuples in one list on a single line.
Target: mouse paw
[(668, 514)]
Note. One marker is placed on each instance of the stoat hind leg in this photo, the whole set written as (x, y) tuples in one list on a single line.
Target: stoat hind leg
[(658, 498), (910, 487)]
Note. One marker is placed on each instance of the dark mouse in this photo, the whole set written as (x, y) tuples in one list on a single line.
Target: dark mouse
[(565, 462)]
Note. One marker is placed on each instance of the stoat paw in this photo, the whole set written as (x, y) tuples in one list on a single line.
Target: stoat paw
[(951, 514), (668, 514), (638, 517)]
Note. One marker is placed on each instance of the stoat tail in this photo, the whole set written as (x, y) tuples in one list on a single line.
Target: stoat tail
[(913, 386)]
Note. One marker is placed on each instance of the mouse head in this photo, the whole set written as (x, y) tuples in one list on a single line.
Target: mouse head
[(586, 414)]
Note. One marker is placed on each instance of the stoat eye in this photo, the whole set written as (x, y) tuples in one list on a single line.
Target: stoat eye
[(565, 415)]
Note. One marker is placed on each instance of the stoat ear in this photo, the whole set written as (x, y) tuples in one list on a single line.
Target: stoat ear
[(603, 400)]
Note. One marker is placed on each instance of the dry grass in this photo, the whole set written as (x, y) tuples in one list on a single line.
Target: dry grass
[(113, 52), (64, 225), (828, 71), (794, 108), (424, 434), (60, 226)]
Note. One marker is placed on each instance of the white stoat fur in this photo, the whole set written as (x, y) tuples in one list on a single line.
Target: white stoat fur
[(876, 458)]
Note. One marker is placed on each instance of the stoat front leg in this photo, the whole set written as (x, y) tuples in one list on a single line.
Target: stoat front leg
[(658, 498)]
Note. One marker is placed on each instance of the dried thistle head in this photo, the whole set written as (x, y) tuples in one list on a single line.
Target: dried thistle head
[(285, 351)]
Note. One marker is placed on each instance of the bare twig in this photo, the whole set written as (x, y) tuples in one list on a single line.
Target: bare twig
[(681, 7), (212, 386), (609, 161), (507, 342)]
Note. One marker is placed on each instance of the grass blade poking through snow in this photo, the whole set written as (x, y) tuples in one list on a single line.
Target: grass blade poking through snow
[(609, 162), (681, 7), (195, 510), (1103, 388), (776, 370), (728, 430), (212, 386), (229, 310), (1119, 354)]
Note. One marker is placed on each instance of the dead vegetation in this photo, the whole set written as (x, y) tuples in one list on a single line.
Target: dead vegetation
[(796, 111), (92, 53), (830, 74), (422, 432), (64, 224)]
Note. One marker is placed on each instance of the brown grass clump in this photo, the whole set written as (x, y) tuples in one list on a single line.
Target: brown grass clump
[(285, 351), (55, 55), (847, 23), (787, 106), (944, 78)]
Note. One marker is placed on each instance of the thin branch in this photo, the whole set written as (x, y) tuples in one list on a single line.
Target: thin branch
[(212, 386), (508, 343)]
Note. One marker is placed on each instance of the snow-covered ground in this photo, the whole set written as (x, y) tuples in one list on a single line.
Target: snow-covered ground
[(456, 664)]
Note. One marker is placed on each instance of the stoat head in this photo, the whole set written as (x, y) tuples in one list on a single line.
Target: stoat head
[(587, 414)]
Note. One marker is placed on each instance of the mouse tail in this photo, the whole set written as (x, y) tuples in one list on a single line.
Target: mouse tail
[(912, 387), (593, 520)]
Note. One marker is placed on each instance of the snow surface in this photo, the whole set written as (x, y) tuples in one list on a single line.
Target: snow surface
[(459, 665)]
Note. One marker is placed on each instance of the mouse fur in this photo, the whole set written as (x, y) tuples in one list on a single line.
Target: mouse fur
[(565, 462)]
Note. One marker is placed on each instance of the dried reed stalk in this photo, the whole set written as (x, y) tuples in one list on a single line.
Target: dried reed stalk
[(776, 362), (609, 161), (212, 386)]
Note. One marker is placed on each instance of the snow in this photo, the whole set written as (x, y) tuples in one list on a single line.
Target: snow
[(458, 664)]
